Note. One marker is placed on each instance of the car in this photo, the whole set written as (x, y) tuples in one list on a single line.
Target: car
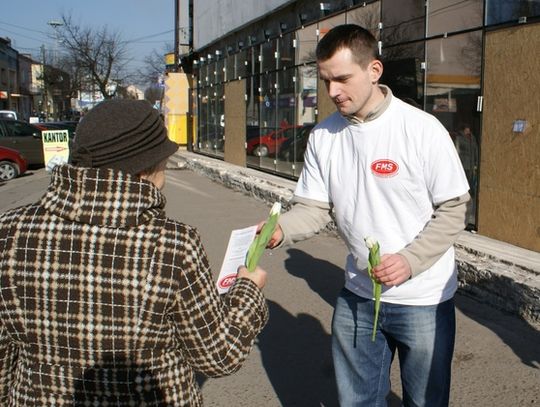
[(12, 164), (294, 148), (70, 126), (268, 144), (8, 114), (23, 137)]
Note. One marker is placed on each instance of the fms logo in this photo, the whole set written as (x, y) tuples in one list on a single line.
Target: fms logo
[(384, 168)]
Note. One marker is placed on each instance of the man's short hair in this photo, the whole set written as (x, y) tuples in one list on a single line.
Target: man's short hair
[(359, 40)]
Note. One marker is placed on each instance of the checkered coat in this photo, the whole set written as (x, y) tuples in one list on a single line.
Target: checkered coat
[(105, 301)]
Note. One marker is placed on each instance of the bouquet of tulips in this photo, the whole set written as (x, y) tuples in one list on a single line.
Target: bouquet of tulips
[(374, 259), (260, 242)]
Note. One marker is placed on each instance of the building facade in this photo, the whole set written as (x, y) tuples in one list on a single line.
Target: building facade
[(256, 90)]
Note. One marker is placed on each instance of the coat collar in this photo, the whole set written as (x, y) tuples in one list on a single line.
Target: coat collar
[(102, 196)]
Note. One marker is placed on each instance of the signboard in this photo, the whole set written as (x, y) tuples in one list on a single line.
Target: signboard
[(55, 147), (3, 94)]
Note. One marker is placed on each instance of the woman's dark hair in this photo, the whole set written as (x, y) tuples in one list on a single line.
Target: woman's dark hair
[(359, 40)]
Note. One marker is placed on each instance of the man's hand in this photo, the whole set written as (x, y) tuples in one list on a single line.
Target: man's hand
[(393, 270), (276, 238)]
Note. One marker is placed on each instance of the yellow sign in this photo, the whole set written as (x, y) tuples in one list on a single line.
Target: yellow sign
[(169, 58), (55, 147)]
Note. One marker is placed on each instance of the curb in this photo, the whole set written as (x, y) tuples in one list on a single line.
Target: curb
[(504, 276)]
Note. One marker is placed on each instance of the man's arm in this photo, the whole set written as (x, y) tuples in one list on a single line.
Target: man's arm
[(443, 229), (306, 218)]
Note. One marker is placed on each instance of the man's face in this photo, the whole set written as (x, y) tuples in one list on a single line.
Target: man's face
[(353, 90)]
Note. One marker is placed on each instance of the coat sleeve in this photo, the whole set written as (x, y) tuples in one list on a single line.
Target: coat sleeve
[(8, 361), (216, 333)]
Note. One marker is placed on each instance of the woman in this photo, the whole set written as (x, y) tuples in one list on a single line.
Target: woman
[(103, 299)]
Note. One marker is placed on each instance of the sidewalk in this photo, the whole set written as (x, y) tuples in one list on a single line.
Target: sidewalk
[(496, 273)]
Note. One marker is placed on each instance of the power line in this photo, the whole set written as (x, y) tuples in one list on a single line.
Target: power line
[(149, 36), (23, 28)]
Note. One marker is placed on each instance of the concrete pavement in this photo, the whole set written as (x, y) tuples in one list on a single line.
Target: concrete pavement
[(497, 357)]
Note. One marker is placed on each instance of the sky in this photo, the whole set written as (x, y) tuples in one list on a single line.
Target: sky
[(145, 24)]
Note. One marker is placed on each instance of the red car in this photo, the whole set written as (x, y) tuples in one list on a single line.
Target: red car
[(269, 143), (12, 164)]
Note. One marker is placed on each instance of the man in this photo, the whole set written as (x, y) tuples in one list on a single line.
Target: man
[(103, 299), (387, 170)]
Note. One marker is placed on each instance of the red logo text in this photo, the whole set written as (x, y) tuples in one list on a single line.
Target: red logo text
[(384, 168), (227, 281)]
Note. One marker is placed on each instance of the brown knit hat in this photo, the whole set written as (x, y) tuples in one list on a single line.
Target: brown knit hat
[(123, 134)]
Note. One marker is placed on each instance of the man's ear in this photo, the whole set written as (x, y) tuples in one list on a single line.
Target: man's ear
[(375, 68)]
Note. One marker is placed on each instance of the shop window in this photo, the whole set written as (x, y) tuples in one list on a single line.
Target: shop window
[(243, 66), (446, 16), (290, 155), (306, 43), (504, 11), (367, 16), (286, 51), (403, 20), (329, 23), (403, 72), (269, 56), (452, 90), (230, 63)]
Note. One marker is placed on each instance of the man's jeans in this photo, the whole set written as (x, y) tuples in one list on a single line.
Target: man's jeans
[(423, 336)]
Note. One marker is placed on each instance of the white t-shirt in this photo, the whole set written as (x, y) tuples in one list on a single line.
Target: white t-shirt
[(383, 178)]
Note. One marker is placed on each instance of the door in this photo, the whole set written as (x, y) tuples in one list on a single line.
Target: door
[(24, 138)]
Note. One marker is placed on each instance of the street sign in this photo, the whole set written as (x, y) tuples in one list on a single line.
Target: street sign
[(55, 147)]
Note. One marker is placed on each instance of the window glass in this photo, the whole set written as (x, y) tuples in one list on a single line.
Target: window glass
[(211, 69), (403, 20), (286, 50), (230, 73), (503, 11), (403, 72), (219, 72), (242, 64), (306, 42), (259, 148), (291, 150), (445, 16), (268, 55), (367, 16), (329, 23), (452, 90)]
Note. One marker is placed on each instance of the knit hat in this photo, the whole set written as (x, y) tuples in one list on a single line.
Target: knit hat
[(122, 134)]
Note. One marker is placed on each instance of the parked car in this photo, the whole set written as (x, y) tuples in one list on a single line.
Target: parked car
[(23, 137), (70, 126), (268, 144), (8, 114), (294, 148), (12, 164)]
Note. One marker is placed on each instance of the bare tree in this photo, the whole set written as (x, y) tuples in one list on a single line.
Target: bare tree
[(98, 55)]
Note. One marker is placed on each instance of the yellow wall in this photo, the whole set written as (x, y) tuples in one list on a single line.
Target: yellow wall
[(509, 195), (176, 106)]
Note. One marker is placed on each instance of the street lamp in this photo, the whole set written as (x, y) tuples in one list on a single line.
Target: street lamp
[(55, 24)]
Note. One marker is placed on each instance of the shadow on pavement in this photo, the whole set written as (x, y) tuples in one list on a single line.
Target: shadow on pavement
[(296, 350), (519, 335)]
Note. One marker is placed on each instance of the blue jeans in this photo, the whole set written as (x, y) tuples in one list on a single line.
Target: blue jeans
[(423, 336)]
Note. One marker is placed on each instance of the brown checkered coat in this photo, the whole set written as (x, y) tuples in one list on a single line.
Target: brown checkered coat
[(105, 301)]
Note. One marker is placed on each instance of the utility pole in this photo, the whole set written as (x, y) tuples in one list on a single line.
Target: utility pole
[(176, 34), (55, 24)]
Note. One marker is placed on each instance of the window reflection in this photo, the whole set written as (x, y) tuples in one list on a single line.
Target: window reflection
[(403, 20), (368, 17), (502, 11), (306, 42), (452, 90), (403, 72), (445, 16)]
